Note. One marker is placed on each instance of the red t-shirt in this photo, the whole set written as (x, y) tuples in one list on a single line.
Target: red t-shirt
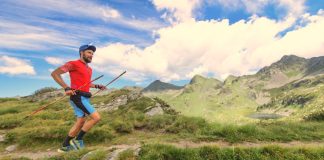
[(80, 74)]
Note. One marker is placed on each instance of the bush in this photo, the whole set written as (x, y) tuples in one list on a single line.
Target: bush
[(187, 125), (44, 90), (37, 135), (122, 127), (100, 134), (316, 116), (8, 110), (10, 121), (8, 99), (160, 121), (127, 155)]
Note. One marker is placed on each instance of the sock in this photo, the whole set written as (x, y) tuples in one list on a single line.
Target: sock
[(67, 141), (80, 135)]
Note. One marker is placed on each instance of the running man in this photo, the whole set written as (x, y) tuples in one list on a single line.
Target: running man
[(80, 74)]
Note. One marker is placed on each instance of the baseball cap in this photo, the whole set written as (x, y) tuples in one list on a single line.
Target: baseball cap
[(87, 46)]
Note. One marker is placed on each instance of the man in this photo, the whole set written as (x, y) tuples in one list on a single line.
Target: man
[(80, 74)]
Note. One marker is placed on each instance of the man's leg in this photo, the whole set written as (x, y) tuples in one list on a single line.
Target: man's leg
[(74, 131), (83, 104), (77, 126), (94, 119)]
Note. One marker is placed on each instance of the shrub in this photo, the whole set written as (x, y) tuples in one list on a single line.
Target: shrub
[(316, 116), (44, 90), (160, 121), (122, 127), (187, 125)]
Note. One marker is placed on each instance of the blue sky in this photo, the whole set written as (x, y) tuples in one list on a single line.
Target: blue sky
[(167, 40)]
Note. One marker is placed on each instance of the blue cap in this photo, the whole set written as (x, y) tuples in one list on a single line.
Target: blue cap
[(87, 46)]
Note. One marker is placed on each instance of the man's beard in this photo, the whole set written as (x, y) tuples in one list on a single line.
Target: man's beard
[(87, 60)]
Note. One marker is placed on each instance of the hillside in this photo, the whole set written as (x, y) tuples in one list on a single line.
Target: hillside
[(237, 97), (133, 125)]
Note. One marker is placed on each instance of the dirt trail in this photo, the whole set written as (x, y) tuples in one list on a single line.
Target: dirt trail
[(180, 144)]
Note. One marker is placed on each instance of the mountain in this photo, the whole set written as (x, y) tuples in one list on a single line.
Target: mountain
[(303, 98), (240, 96), (202, 84), (160, 86)]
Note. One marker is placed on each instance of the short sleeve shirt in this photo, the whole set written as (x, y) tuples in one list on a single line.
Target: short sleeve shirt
[(80, 74)]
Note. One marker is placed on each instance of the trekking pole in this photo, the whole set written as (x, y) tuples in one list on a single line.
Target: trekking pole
[(43, 107), (109, 83)]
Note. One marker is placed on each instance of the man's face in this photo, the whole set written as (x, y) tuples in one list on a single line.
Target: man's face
[(87, 55)]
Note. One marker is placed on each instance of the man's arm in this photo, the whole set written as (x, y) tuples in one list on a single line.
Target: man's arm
[(56, 74)]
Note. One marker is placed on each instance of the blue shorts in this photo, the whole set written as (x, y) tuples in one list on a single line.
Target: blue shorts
[(81, 106)]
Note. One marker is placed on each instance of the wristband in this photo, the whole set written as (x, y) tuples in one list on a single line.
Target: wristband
[(67, 89)]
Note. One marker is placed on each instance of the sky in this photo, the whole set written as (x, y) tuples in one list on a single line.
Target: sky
[(169, 40)]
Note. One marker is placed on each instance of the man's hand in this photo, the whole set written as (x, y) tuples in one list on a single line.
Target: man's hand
[(70, 92), (100, 86)]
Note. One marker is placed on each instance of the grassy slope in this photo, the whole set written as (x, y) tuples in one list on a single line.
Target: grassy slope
[(230, 103), (304, 98), (129, 125)]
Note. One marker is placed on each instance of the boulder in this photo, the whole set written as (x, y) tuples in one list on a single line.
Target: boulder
[(11, 148), (156, 110)]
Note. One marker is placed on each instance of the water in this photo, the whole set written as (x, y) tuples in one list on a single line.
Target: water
[(265, 116)]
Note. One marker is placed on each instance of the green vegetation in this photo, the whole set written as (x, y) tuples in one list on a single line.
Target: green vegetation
[(127, 155), (165, 152), (44, 90)]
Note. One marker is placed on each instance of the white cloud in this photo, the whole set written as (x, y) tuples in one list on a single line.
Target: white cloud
[(74, 8), (15, 66), (294, 7), (29, 28), (16, 35), (184, 10), (85, 10), (179, 11), (214, 47), (54, 61)]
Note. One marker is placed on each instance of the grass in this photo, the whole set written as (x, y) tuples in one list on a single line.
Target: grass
[(129, 124), (52, 125), (165, 152), (127, 155)]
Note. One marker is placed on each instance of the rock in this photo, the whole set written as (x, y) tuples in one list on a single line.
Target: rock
[(2, 138), (157, 110), (115, 153), (114, 104), (47, 95), (136, 94), (137, 151), (11, 148), (88, 155)]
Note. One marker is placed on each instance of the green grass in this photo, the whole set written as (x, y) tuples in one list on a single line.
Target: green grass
[(127, 155), (129, 125), (165, 152)]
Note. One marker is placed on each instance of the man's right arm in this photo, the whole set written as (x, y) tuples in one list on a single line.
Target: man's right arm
[(56, 74)]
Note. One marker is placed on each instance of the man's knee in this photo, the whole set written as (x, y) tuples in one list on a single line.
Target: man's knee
[(96, 117)]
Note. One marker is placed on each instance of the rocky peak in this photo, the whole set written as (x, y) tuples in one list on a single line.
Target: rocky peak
[(157, 85)]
